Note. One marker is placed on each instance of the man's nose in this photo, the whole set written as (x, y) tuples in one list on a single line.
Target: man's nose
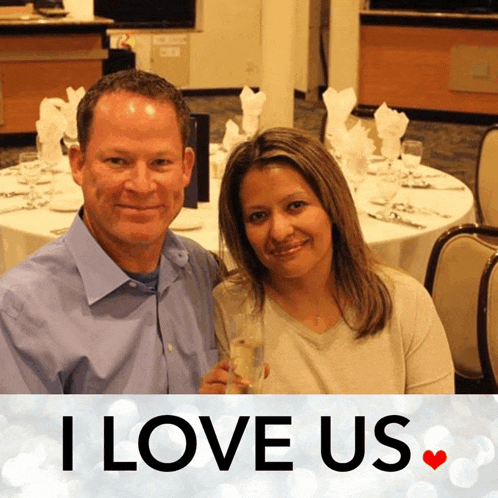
[(281, 226), (141, 179)]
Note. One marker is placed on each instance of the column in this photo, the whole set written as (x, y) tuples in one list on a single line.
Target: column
[(344, 44), (278, 24)]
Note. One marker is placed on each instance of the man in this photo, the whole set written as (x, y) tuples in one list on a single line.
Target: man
[(119, 304)]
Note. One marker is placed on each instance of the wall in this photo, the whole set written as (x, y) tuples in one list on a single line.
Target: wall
[(224, 50)]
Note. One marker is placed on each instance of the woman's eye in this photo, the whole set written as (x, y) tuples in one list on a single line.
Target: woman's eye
[(293, 206), (258, 216)]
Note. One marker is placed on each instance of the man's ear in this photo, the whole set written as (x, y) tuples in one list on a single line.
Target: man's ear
[(76, 160), (188, 165)]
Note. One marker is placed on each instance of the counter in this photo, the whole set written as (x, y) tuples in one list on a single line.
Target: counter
[(41, 57), (429, 61)]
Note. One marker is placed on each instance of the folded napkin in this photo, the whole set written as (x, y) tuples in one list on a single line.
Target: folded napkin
[(50, 129), (252, 105), (66, 109), (339, 106), (357, 143), (232, 136), (391, 126), (69, 109)]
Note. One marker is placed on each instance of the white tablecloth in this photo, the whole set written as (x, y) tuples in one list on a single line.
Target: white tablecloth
[(22, 232)]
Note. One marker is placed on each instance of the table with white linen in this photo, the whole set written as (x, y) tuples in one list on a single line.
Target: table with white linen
[(407, 247), (22, 232)]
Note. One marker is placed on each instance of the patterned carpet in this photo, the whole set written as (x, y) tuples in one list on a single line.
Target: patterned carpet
[(450, 147)]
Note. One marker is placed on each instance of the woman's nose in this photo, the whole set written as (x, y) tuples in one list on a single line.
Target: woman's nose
[(281, 227)]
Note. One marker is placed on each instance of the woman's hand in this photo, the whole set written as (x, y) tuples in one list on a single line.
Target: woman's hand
[(215, 381)]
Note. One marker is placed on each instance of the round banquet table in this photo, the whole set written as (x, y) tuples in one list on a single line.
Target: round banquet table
[(24, 231)]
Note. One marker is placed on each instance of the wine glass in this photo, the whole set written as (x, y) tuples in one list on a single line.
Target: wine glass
[(355, 172), (30, 168), (387, 186), (390, 148), (50, 154), (411, 154), (246, 355)]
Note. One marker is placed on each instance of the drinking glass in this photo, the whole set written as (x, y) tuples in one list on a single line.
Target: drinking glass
[(390, 148), (355, 171), (387, 186), (50, 154), (411, 154), (246, 355), (30, 168)]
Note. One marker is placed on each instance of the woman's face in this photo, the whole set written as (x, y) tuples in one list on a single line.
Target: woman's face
[(285, 223)]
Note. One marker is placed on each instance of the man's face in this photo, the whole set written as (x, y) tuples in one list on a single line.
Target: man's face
[(133, 172)]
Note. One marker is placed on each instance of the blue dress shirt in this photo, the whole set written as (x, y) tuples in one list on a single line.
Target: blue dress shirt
[(73, 322)]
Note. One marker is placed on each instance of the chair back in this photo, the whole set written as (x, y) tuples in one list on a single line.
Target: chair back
[(488, 322), (453, 277), (486, 186)]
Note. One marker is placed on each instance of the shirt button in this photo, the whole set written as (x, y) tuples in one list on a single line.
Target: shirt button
[(170, 347), (133, 284)]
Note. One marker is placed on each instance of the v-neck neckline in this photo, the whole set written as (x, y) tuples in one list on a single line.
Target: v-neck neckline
[(320, 340)]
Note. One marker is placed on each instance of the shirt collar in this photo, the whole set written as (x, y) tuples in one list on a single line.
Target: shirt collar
[(101, 275)]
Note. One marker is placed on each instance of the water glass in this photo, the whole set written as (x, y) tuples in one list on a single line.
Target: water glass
[(30, 168), (246, 355), (387, 186), (390, 148), (411, 154)]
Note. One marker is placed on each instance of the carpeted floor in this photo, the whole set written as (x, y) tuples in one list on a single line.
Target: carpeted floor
[(450, 147)]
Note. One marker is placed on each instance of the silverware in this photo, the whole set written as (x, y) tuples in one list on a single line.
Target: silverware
[(425, 185), (60, 231), (15, 208), (11, 194), (407, 208), (394, 217), (24, 206)]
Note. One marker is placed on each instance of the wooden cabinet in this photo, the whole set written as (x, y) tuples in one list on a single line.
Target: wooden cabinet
[(411, 62), (38, 63)]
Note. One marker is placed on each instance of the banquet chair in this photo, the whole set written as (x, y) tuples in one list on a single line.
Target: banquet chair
[(453, 277), (486, 186), (487, 322)]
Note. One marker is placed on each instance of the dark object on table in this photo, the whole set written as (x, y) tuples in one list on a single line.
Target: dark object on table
[(198, 189), (465, 6), (148, 13), (50, 8), (118, 60)]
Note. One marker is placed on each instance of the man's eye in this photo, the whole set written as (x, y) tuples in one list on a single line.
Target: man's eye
[(161, 162), (116, 161), (258, 216)]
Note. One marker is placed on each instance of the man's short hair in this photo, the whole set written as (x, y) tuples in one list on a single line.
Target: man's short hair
[(133, 81)]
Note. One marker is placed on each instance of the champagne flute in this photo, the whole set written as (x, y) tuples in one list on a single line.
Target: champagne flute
[(246, 355), (30, 168)]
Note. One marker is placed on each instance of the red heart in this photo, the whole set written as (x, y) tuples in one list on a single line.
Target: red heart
[(434, 460)]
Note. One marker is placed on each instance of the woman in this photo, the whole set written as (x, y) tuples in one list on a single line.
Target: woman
[(335, 320)]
